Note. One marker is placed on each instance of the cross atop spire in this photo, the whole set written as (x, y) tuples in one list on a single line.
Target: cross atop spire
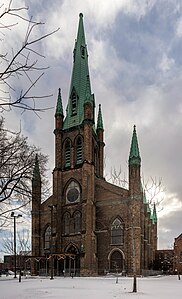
[(80, 87), (134, 157)]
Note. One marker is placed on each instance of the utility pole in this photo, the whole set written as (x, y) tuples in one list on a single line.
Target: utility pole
[(51, 247)]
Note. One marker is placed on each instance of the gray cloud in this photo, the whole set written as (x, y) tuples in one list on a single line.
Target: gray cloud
[(135, 68)]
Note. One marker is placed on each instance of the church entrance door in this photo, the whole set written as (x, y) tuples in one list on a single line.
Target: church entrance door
[(72, 262), (116, 262)]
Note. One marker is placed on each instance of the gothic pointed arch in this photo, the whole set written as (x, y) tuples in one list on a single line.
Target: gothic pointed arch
[(72, 192), (77, 221), (47, 237), (67, 152), (72, 263), (117, 231), (74, 102), (79, 150), (71, 248), (116, 261)]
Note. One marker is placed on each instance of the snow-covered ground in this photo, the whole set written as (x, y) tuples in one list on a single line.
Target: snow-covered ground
[(90, 288)]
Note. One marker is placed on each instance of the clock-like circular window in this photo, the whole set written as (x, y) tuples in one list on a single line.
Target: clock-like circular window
[(73, 193)]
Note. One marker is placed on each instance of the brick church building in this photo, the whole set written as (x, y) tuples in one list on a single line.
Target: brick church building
[(89, 226)]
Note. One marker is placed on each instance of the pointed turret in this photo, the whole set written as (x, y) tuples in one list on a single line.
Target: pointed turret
[(58, 130), (59, 114), (100, 135), (99, 119), (154, 215), (36, 178), (134, 157), (36, 203), (134, 163), (59, 107), (80, 87)]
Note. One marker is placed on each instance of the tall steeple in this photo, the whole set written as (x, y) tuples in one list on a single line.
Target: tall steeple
[(134, 157), (80, 87)]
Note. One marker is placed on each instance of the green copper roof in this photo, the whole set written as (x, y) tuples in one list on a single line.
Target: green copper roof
[(99, 119), (154, 214), (59, 107), (80, 87), (36, 171), (134, 157)]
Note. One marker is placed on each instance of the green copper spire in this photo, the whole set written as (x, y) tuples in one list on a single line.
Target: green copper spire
[(80, 87), (36, 171), (134, 158), (59, 107), (154, 214), (99, 119)]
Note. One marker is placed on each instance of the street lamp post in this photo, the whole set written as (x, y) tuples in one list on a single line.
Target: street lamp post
[(52, 258), (15, 216)]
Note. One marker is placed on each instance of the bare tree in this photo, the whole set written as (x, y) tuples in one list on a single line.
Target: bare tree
[(117, 177), (153, 186), (20, 60), (23, 242), (154, 190), (17, 159)]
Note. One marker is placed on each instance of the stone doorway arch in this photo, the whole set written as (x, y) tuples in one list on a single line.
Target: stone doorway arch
[(116, 261), (72, 261)]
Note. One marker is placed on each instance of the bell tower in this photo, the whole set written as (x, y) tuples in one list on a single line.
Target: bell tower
[(79, 151), (135, 207)]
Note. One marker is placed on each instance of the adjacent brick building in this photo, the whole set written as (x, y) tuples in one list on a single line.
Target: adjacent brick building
[(178, 254), (88, 225), (164, 261)]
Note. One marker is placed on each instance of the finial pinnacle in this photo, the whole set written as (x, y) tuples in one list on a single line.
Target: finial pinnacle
[(134, 157)]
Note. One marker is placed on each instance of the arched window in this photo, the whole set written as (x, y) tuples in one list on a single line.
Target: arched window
[(77, 222), (47, 238), (67, 153), (117, 232), (79, 150), (72, 193), (66, 222)]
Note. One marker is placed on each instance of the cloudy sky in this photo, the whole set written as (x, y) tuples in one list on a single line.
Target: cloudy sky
[(135, 61)]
